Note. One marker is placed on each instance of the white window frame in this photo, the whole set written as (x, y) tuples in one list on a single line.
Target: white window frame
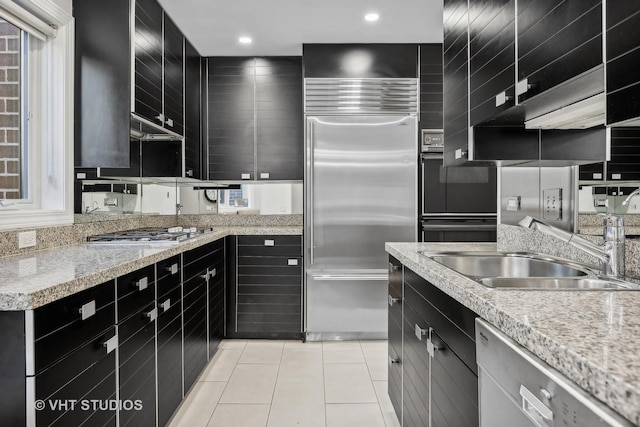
[(50, 125)]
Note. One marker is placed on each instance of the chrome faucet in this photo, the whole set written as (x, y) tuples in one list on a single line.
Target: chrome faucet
[(611, 253), (88, 209), (635, 192)]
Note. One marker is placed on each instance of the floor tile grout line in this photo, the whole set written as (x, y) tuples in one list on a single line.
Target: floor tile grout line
[(275, 385)]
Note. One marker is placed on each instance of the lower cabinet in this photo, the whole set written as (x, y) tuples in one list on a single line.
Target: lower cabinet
[(395, 335), (121, 353), (437, 362), (265, 287)]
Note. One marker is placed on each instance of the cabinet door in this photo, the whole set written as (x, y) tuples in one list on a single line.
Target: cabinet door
[(216, 295), (416, 368), (625, 155), (279, 115), (102, 72), (492, 36), (169, 353), (454, 389), (431, 86), (195, 327), (192, 107), (148, 61), (395, 335), (173, 76), (230, 119), (557, 41), (455, 77), (623, 87)]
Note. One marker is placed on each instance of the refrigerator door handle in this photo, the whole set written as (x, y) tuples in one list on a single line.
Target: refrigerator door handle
[(310, 188), (382, 276)]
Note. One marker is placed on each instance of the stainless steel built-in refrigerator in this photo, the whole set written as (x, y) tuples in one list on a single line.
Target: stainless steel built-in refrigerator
[(361, 187)]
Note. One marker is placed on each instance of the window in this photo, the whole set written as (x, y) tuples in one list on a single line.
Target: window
[(36, 114)]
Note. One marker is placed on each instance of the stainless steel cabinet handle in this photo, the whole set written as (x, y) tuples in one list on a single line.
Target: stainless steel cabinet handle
[(142, 284), (393, 301), (111, 344), (523, 87), (212, 272), (189, 172), (169, 122), (245, 176), (394, 268), (88, 310), (533, 407), (160, 117), (292, 261), (152, 315), (264, 175), (204, 276), (166, 305), (393, 361), (420, 332), (502, 98), (269, 242), (173, 268)]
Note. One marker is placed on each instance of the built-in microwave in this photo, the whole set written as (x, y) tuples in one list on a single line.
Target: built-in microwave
[(432, 140)]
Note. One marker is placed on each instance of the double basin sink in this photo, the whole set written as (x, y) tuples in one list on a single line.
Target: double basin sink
[(526, 271)]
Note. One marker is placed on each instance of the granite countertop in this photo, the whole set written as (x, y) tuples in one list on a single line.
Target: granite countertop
[(33, 279), (592, 337)]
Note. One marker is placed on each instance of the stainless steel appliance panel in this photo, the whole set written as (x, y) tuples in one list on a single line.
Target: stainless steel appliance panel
[(361, 186), (347, 305), (519, 389)]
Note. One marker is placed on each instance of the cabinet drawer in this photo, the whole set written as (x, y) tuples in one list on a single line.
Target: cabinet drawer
[(78, 372), (269, 241), (168, 274), (56, 345), (416, 366), (129, 328), (135, 290), (453, 321), (210, 249)]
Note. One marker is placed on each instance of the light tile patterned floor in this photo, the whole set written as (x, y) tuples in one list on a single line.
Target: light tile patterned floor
[(260, 383)]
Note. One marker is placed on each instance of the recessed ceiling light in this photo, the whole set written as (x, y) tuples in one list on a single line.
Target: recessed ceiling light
[(371, 17), (245, 40)]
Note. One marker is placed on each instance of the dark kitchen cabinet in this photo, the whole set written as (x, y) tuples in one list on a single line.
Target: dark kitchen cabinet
[(439, 372), (148, 56), (137, 314), (279, 118), (492, 61), (196, 274), (625, 155), (254, 118), (430, 57), (173, 76), (456, 81), (623, 55), (169, 339), (102, 83), (265, 289), (557, 41), (395, 335), (192, 109), (216, 296)]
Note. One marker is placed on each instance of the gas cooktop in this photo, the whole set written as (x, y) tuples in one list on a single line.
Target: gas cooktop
[(150, 235)]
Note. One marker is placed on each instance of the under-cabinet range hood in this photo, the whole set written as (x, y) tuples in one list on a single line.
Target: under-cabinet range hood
[(144, 130), (583, 114)]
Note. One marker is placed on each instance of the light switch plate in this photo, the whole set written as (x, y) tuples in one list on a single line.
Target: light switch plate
[(552, 208), (27, 239), (513, 203)]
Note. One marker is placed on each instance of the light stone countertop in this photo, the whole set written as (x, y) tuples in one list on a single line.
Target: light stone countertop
[(592, 337), (34, 279)]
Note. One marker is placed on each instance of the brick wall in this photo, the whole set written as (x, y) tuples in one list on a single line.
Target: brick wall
[(9, 111)]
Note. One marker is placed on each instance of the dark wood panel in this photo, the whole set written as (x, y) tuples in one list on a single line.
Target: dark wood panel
[(102, 72), (623, 36), (430, 86), (282, 240), (173, 76), (623, 104), (13, 368), (266, 279), (166, 279), (454, 389), (148, 55), (360, 60), (415, 362), (142, 389), (270, 251), (618, 75), (131, 296), (193, 111)]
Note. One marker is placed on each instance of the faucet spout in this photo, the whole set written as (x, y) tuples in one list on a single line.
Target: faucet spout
[(626, 201), (611, 253)]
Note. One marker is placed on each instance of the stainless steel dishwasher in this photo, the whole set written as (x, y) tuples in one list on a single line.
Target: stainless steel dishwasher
[(517, 389)]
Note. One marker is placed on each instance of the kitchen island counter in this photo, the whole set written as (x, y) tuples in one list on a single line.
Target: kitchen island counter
[(34, 279), (592, 337)]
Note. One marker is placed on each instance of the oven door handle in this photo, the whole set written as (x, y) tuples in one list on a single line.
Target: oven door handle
[(461, 227)]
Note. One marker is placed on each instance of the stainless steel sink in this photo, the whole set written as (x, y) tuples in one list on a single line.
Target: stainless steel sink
[(525, 271), (555, 283), (495, 264)]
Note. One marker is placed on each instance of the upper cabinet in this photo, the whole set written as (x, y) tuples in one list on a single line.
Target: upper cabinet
[(255, 118), (132, 58), (159, 52), (623, 55)]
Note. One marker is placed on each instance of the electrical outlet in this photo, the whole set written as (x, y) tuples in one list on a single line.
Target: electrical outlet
[(26, 239), (552, 204)]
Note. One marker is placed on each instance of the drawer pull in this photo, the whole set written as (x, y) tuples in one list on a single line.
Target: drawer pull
[(269, 242), (173, 268), (166, 305), (111, 344), (393, 301), (142, 284), (152, 315), (88, 310), (420, 332), (394, 361), (245, 176), (502, 99), (264, 175), (213, 272), (292, 261), (204, 276), (394, 268)]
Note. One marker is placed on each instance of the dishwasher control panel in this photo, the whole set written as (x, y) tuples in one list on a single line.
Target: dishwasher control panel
[(518, 388)]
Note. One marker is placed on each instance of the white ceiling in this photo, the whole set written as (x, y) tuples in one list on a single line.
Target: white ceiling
[(279, 27)]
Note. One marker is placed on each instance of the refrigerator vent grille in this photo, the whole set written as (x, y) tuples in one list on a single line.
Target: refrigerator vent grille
[(357, 96)]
